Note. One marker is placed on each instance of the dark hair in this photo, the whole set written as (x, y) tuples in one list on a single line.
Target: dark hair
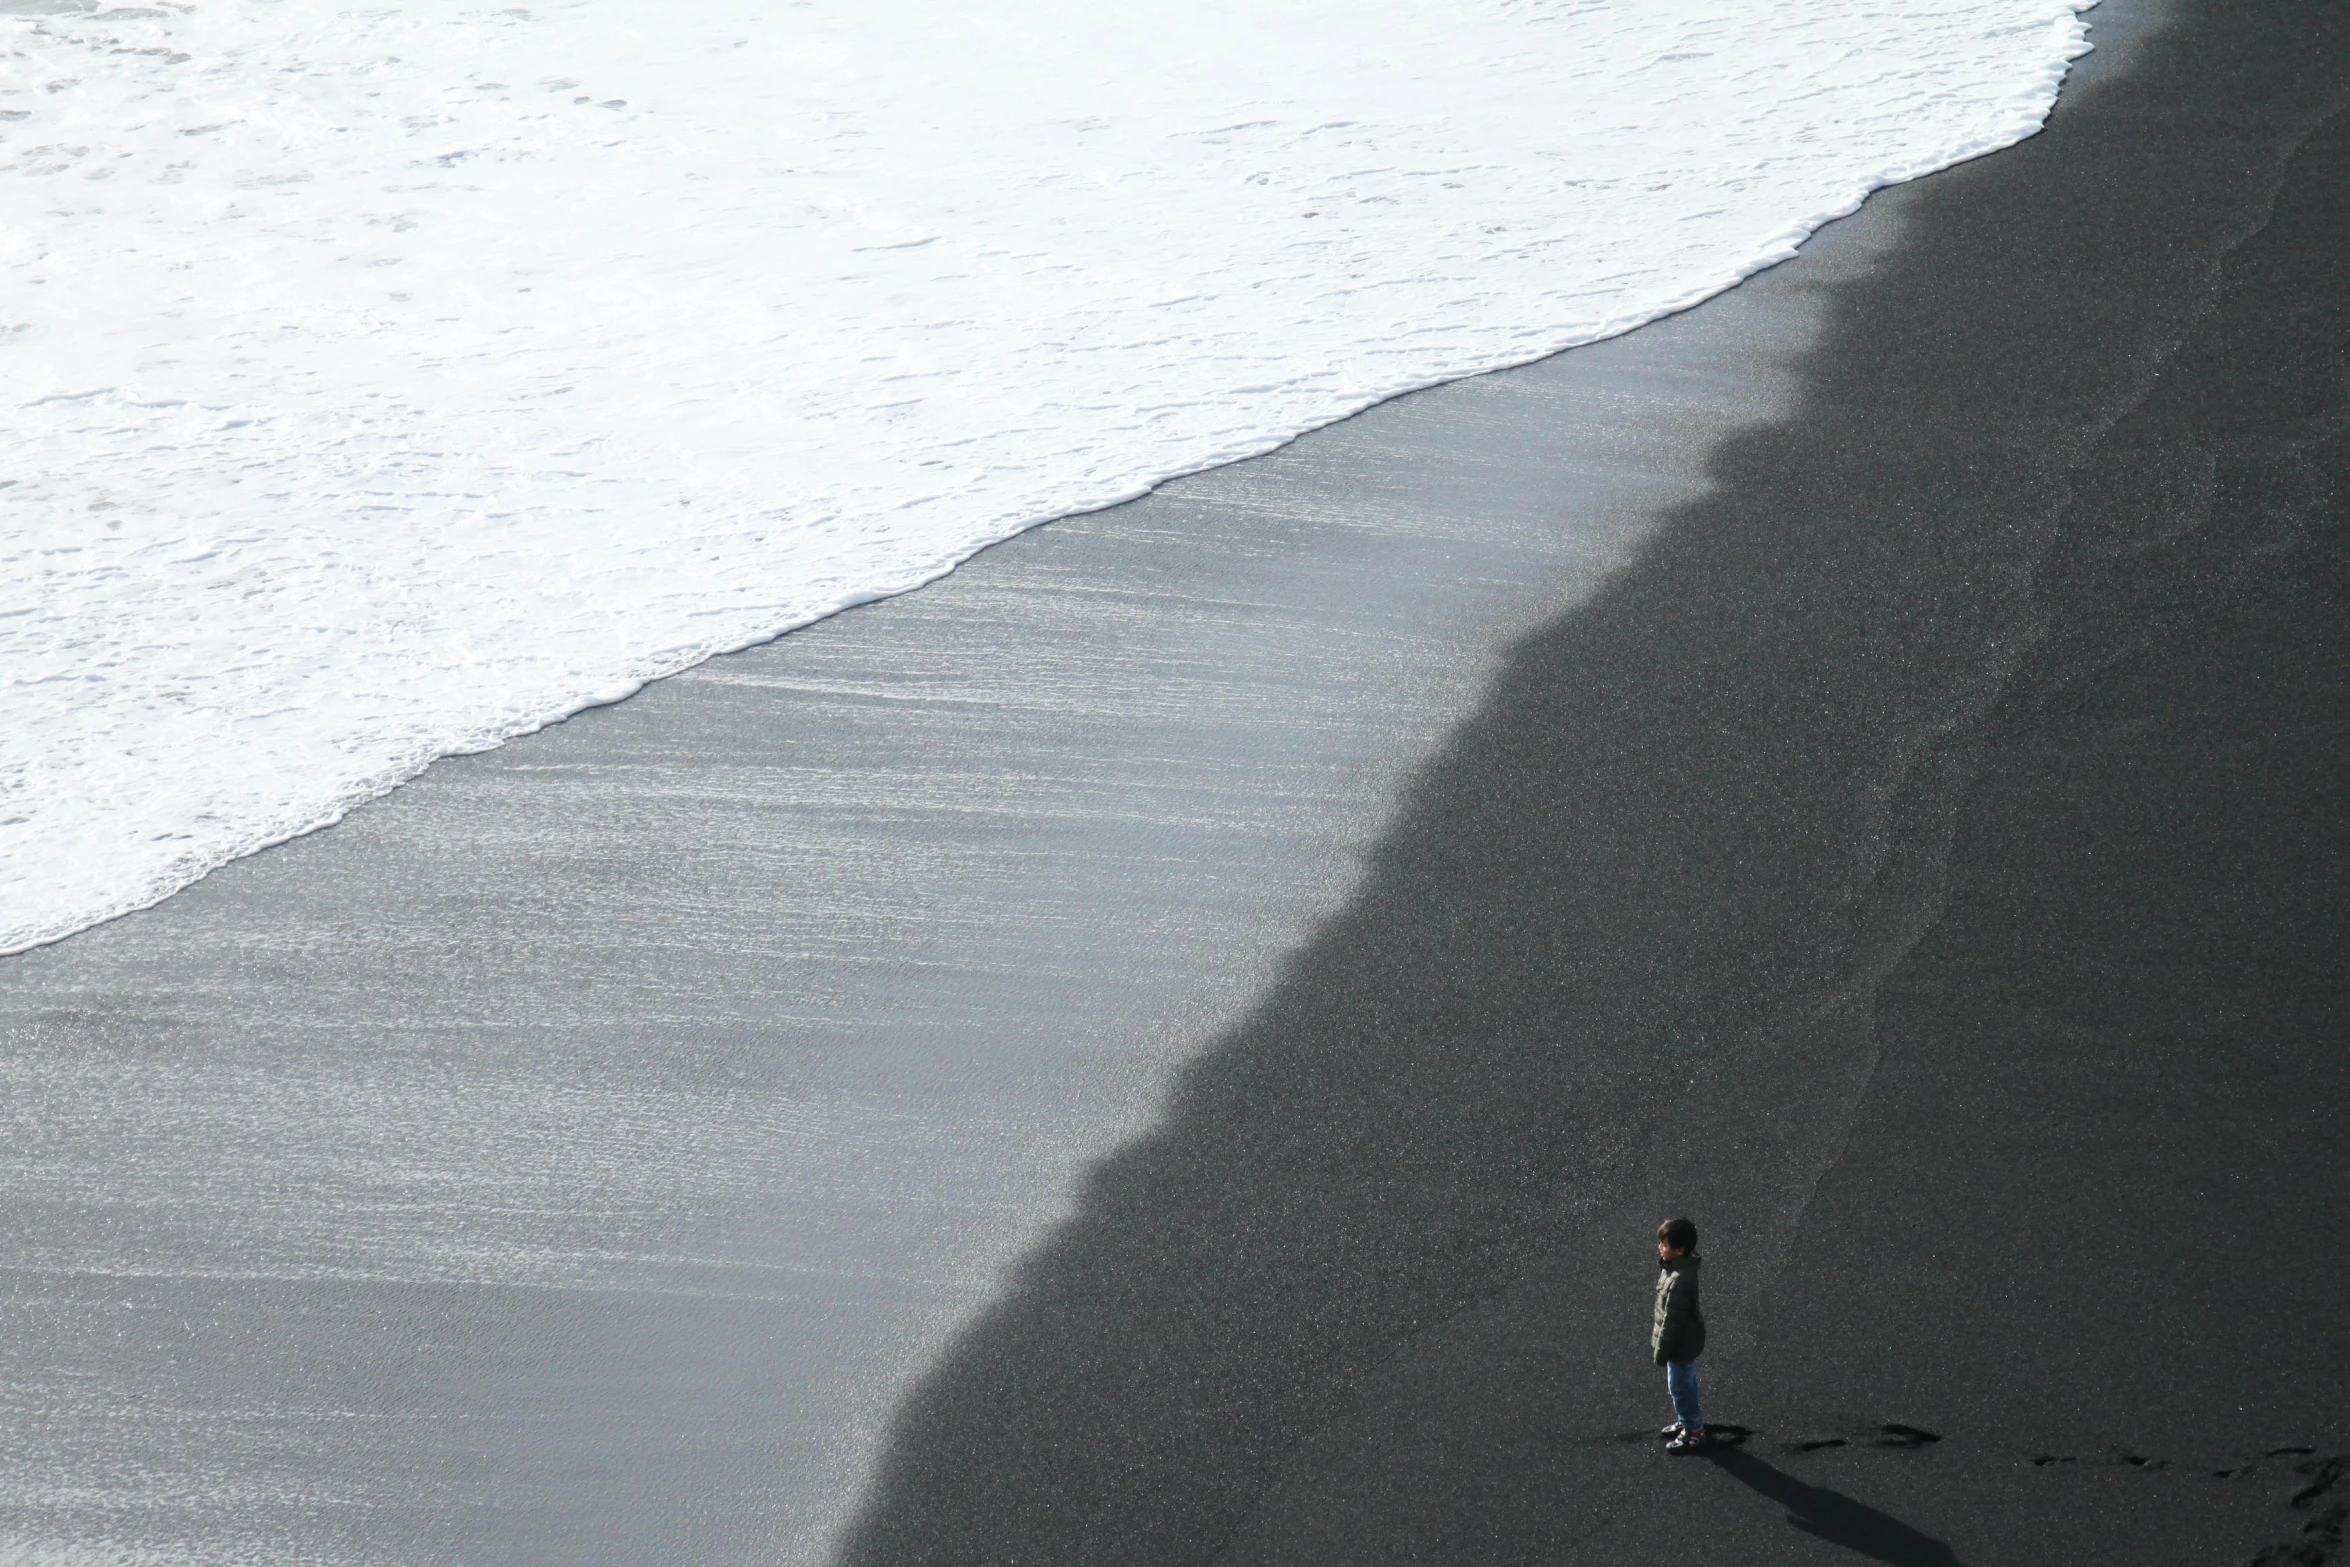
[(1679, 1234)]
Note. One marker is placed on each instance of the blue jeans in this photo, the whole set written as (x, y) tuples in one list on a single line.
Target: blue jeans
[(1681, 1380)]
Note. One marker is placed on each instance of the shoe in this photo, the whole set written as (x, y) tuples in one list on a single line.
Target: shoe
[(1689, 1442), (1671, 1431)]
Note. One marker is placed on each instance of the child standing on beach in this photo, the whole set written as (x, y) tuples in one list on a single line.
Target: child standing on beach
[(1677, 1336)]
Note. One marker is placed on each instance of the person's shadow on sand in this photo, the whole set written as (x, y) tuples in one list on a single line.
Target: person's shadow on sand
[(1835, 1517)]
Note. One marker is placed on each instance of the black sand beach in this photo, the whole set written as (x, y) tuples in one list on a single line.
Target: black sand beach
[(1926, 867), (1923, 863)]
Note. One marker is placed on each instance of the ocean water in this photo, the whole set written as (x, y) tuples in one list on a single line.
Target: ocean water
[(387, 381)]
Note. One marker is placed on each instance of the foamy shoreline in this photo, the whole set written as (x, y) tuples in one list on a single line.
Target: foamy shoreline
[(394, 382)]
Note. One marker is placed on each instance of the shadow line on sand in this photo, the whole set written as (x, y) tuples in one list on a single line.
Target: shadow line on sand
[(1834, 1517)]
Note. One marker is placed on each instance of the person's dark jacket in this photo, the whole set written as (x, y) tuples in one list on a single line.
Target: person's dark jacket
[(1679, 1329)]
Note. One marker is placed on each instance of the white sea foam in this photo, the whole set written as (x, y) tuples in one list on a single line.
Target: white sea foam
[(392, 380)]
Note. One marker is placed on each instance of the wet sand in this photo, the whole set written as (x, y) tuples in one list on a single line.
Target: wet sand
[(1925, 866)]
